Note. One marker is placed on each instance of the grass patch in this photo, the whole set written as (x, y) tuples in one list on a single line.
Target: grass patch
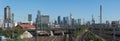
[(91, 36), (79, 31)]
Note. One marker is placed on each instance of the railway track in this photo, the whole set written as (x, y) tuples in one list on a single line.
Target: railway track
[(47, 38), (108, 37)]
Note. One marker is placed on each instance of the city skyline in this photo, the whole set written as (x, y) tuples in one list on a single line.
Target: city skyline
[(54, 8)]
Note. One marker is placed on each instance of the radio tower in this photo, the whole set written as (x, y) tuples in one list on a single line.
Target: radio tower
[(100, 29)]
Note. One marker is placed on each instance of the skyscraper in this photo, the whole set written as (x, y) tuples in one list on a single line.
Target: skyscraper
[(38, 19), (6, 13), (37, 23), (59, 20), (79, 21), (107, 22), (65, 20), (70, 19), (42, 21), (100, 14), (30, 18), (55, 22), (73, 22), (7, 17), (93, 21)]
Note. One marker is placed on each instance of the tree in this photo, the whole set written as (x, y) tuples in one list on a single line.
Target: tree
[(8, 32)]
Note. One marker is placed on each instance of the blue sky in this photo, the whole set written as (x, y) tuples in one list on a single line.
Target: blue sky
[(78, 8)]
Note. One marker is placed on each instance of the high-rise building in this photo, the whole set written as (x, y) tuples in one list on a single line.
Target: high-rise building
[(42, 21), (65, 20), (93, 21), (70, 19), (100, 14), (55, 22), (45, 19), (7, 17), (79, 21), (72, 22), (107, 22), (88, 23), (59, 20), (38, 19), (7, 12), (30, 18)]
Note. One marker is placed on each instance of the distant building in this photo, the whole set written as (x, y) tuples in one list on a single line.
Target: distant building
[(73, 22), (93, 20), (8, 17), (107, 24), (30, 18), (65, 19), (115, 23), (59, 20), (79, 22), (37, 23), (70, 20), (7, 13), (42, 21), (88, 23), (55, 22)]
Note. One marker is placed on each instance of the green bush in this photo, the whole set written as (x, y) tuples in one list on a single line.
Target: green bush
[(80, 30), (91, 36), (8, 33)]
